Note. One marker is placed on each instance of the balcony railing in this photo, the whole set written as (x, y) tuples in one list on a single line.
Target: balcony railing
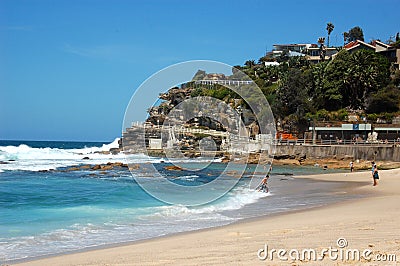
[(336, 142)]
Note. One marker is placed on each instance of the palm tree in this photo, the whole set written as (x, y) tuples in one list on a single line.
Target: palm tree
[(322, 50), (329, 28), (250, 63)]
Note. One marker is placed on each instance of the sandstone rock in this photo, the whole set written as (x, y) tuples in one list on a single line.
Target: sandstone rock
[(73, 169), (134, 167), (225, 159), (106, 167), (287, 162), (173, 167), (281, 157), (96, 167)]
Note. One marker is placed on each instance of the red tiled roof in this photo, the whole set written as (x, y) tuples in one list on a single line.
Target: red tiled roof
[(351, 44)]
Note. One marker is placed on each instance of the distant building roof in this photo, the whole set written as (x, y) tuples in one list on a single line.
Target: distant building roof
[(292, 44), (357, 43), (271, 63), (298, 47), (291, 53), (377, 42)]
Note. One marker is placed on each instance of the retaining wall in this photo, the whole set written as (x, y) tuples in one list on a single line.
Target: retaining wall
[(380, 153)]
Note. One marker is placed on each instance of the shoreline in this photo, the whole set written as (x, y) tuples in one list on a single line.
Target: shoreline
[(23, 261), (131, 250)]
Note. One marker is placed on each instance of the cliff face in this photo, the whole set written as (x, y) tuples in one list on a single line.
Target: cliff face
[(176, 95), (171, 98), (138, 138)]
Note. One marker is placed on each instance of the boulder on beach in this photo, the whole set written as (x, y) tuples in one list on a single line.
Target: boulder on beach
[(173, 167), (106, 167), (134, 167), (73, 169), (96, 167)]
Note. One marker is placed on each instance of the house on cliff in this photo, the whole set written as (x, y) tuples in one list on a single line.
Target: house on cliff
[(390, 52), (354, 46)]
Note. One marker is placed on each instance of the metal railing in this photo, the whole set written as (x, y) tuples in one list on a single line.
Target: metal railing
[(337, 142), (224, 82)]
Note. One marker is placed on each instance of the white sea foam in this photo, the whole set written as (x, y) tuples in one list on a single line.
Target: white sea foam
[(23, 157), (27, 158), (236, 199), (81, 236), (154, 221), (133, 224), (187, 177)]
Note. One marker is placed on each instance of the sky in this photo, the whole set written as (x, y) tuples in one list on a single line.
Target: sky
[(68, 69)]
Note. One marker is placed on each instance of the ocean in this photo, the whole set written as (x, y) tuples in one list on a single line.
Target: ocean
[(47, 210)]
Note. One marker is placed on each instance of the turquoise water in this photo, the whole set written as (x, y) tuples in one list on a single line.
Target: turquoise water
[(48, 212)]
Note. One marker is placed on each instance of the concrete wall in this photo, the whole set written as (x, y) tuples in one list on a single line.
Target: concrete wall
[(379, 153)]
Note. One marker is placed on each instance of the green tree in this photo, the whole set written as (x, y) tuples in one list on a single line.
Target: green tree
[(368, 72), (298, 62), (386, 100), (250, 63), (329, 28), (322, 49), (351, 78), (355, 33), (283, 57), (291, 94), (333, 82), (314, 77)]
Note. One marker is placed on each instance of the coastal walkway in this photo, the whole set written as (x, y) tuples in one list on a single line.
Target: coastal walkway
[(387, 150), (334, 142), (210, 132), (225, 134), (180, 129), (224, 82)]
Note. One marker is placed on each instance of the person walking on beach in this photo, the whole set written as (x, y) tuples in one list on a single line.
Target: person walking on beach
[(375, 175), (351, 166), (263, 185)]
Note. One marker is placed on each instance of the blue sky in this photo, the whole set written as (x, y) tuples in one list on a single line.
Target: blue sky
[(69, 68)]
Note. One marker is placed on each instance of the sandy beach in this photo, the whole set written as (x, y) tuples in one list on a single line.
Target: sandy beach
[(369, 225)]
